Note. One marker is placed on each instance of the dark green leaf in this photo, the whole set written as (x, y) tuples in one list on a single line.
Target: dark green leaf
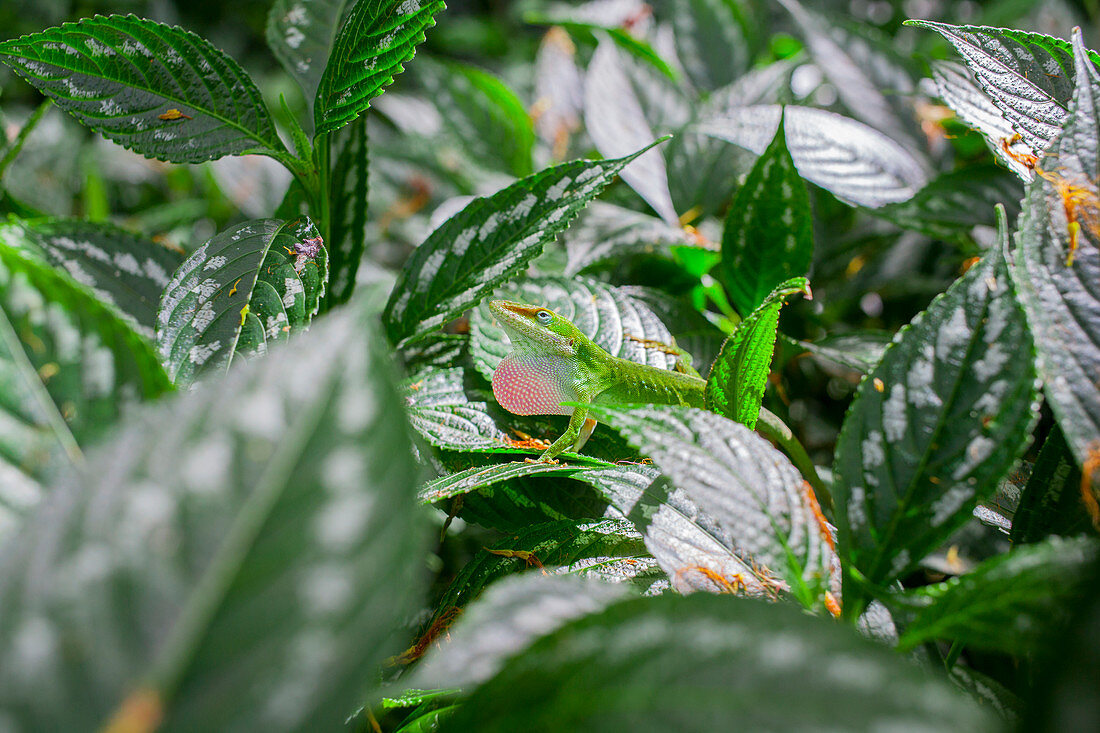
[(715, 40), (505, 620), (156, 89), (348, 201), (301, 34), (1007, 603), (489, 242), (1029, 77), (289, 485), (735, 386), (768, 235), (124, 271), (936, 425), (483, 114), (854, 162), (701, 663), (445, 415), (479, 477), (379, 37), (69, 367), (1061, 300), (1051, 501), (859, 350), (246, 288), (953, 204), (745, 484)]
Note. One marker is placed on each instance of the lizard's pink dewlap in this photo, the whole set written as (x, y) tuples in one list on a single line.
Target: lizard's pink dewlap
[(529, 386)]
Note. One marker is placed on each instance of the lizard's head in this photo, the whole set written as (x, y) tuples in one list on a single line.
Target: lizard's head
[(533, 328)]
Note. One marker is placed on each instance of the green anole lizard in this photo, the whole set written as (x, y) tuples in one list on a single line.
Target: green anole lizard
[(553, 362)]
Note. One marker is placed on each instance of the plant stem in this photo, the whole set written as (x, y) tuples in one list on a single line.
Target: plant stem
[(953, 655), (12, 150), (774, 428)]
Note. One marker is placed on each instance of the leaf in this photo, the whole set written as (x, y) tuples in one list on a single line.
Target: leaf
[(697, 552), (563, 547), (670, 663), (479, 477), (505, 620), (936, 424), (871, 79), (859, 351), (301, 33), (1060, 301), (768, 235), (264, 490), (123, 270), (440, 410), (847, 158), (559, 92), (1007, 603), (377, 39), (244, 289), (156, 89), (615, 120), (1029, 77), (617, 322), (483, 114), (605, 233), (954, 203), (745, 484), (69, 367), (959, 90), (735, 386), (1061, 697), (1050, 503), (715, 40), (349, 187), (488, 243)]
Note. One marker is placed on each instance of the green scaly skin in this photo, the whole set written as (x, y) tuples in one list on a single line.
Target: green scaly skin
[(583, 372)]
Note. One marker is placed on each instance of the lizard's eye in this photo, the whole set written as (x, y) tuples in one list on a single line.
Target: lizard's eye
[(544, 317)]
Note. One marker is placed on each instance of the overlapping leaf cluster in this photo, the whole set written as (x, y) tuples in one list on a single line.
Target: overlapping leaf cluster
[(252, 551)]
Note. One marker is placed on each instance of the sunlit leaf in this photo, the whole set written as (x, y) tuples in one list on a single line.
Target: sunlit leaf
[(489, 242), (749, 487), (735, 386), (847, 158)]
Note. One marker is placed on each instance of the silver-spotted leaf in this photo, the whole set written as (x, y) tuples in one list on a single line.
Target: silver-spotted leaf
[(373, 45), (156, 89), (152, 577), (69, 368), (125, 271), (489, 242), (936, 425), (1061, 301), (244, 289), (301, 34)]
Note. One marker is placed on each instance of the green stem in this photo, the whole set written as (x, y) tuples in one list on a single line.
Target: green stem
[(770, 426), (16, 145), (953, 655)]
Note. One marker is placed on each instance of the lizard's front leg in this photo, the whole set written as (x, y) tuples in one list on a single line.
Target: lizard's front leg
[(574, 436)]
